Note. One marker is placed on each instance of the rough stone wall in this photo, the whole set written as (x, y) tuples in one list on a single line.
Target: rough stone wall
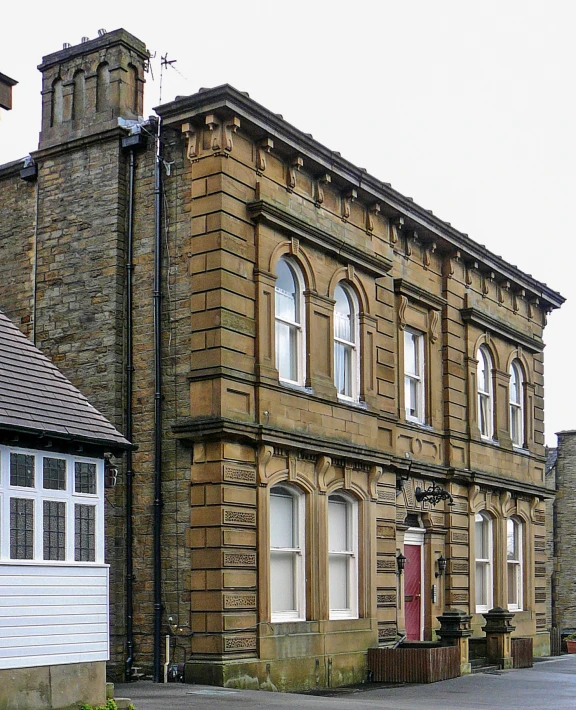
[(17, 253), (565, 532)]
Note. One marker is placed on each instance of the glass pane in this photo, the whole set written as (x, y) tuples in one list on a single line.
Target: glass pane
[(85, 477), (480, 533), (286, 293), (481, 597), (483, 411), (513, 574), (514, 385), (411, 397), (483, 373), (512, 540), (287, 351), (343, 369), (22, 470), (338, 538), (282, 581), (282, 521), (84, 533), (410, 353), (342, 315), (21, 529), (54, 477), (54, 544), (338, 571)]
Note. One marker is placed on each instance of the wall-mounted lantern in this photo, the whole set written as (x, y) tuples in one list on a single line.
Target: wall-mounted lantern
[(400, 562)]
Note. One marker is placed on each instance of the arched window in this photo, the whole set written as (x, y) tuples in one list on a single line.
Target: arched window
[(514, 557), (102, 87), (346, 343), (79, 95), (485, 398), (484, 562), (289, 322), (414, 382), (342, 557), (287, 582), (57, 113), (516, 397)]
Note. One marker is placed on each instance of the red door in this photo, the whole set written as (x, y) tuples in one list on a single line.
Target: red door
[(412, 591)]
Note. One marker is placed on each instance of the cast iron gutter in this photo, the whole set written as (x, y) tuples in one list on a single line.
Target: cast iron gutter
[(157, 298)]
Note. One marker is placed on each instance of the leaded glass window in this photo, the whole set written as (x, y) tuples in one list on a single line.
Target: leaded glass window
[(84, 533), (54, 542), (85, 477), (54, 474), (21, 528), (22, 470)]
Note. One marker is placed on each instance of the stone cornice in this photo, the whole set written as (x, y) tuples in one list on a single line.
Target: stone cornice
[(68, 146), (261, 122), (285, 221), (484, 321), (415, 293), (500, 482)]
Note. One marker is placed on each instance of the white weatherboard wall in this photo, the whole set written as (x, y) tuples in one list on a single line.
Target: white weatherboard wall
[(53, 614)]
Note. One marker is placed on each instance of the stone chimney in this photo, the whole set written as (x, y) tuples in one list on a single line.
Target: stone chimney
[(88, 87)]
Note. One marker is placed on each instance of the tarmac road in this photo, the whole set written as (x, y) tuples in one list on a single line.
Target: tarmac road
[(550, 684)]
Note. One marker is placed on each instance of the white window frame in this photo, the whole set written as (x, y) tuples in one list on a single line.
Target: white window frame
[(351, 346), (516, 405), (297, 554), (350, 554), (516, 564), (38, 495), (418, 378), (484, 565), (485, 396), (298, 327)]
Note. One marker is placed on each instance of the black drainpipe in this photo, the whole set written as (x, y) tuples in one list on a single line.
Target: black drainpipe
[(131, 144), (157, 405)]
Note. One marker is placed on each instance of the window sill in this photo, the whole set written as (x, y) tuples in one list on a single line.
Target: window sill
[(295, 386), (356, 403), (52, 563)]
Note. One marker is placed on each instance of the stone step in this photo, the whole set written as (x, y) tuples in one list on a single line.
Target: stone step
[(122, 703), (485, 669)]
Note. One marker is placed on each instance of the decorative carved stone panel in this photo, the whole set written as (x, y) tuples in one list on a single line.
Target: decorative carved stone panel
[(459, 537), (458, 597), (459, 566), (239, 601), (239, 559), (385, 564), (540, 595), (238, 517), (240, 643), (386, 531), (387, 495), (386, 598), (386, 631), (239, 474)]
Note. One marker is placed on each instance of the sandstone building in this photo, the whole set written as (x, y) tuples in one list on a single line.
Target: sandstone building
[(299, 351)]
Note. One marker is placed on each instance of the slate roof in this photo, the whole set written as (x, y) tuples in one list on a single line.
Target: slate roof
[(36, 398), (551, 457)]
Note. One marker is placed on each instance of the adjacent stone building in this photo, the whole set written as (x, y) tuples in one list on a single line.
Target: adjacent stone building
[(322, 378), (55, 451)]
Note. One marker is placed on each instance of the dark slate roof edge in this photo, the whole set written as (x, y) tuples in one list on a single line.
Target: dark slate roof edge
[(73, 417)]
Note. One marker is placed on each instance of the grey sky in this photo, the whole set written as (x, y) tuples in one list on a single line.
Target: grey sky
[(468, 107)]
